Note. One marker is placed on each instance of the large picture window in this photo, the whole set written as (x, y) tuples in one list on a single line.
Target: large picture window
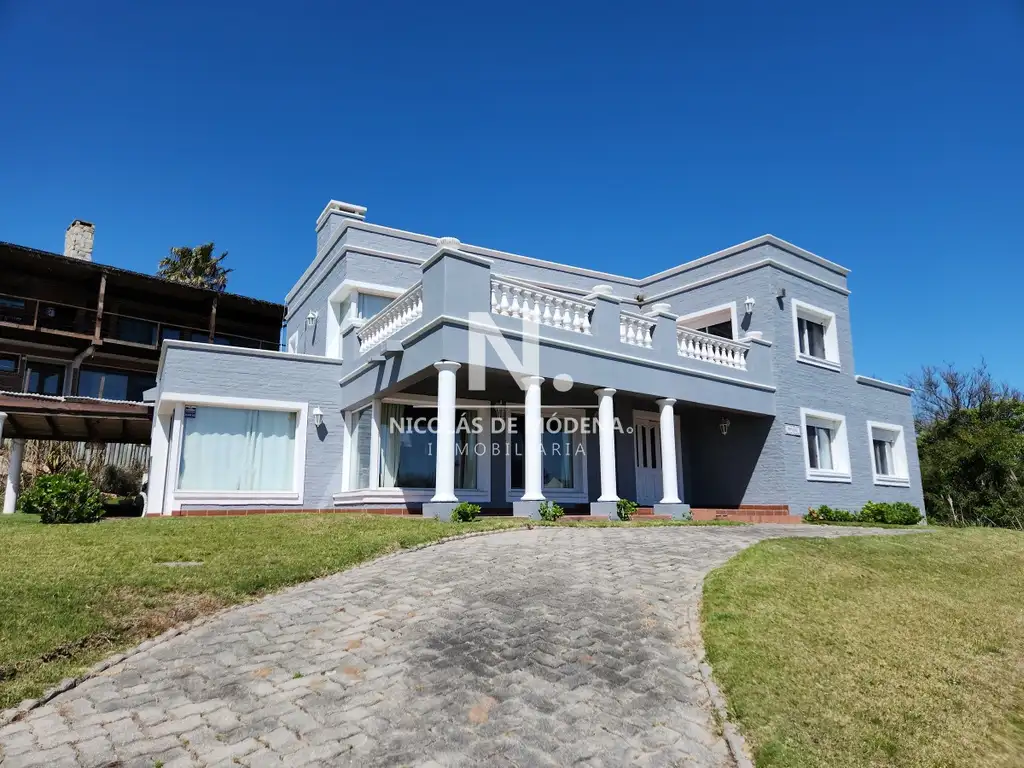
[(236, 449), (563, 461), (408, 452)]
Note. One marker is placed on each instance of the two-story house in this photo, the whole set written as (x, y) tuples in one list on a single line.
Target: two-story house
[(421, 371), (80, 343)]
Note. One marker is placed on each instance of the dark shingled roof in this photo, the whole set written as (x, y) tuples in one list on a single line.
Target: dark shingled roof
[(72, 266)]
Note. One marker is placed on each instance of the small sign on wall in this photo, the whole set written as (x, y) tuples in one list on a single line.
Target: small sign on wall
[(190, 411), (793, 429)]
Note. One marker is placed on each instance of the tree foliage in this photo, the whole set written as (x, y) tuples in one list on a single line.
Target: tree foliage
[(971, 446), (196, 266)]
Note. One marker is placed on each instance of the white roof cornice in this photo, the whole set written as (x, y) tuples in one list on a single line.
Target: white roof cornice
[(357, 223)]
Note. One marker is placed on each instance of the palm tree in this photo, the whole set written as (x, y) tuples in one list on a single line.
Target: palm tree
[(195, 266)]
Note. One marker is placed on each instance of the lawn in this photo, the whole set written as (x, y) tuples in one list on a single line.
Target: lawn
[(876, 651), (72, 594)]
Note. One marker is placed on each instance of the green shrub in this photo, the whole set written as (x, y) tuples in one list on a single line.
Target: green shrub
[(826, 514), (69, 497), (550, 511), (895, 513), (892, 513), (625, 508), (465, 513)]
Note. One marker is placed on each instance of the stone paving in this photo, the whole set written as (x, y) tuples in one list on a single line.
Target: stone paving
[(551, 646)]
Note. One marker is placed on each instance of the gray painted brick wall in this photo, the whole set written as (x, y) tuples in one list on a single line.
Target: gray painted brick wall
[(755, 463)]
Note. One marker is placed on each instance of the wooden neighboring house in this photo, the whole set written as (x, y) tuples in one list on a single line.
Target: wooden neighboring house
[(80, 342)]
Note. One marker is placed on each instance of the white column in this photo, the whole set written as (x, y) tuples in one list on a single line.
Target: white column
[(159, 443), (533, 475), (3, 418), (669, 483), (606, 437), (13, 474), (444, 479)]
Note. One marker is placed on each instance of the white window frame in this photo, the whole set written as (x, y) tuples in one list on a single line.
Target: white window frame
[(901, 478), (712, 316), (293, 343), (375, 494), (836, 423), (349, 290), (178, 498), (824, 318), (578, 494)]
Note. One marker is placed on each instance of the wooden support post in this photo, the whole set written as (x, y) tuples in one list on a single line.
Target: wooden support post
[(213, 319), (99, 307)]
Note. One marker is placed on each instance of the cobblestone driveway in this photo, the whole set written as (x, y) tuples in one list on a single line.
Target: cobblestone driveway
[(553, 646)]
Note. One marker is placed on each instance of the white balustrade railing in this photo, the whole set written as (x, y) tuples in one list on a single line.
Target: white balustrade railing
[(395, 316), (636, 330), (712, 349), (522, 300)]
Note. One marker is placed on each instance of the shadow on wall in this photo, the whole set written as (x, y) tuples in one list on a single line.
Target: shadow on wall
[(721, 466)]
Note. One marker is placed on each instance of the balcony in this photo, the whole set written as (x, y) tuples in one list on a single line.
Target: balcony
[(594, 339), (81, 322)]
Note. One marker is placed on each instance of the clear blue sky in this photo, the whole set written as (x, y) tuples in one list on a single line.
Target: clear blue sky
[(629, 137)]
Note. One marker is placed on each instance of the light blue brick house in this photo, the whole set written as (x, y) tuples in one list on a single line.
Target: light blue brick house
[(421, 371)]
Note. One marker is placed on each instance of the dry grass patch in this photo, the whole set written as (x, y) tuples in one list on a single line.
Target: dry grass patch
[(876, 651)]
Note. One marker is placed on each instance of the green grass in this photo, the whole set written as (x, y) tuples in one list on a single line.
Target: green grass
[(874, 651), (72, 594)]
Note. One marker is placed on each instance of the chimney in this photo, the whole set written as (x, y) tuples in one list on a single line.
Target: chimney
[(78, 240)]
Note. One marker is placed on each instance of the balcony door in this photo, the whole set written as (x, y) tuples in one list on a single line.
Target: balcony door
[(647, 448)]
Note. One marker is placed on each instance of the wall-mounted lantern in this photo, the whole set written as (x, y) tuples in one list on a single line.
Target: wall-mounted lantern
[(748, 305), (318, 417), (723, 426), (311, 318)]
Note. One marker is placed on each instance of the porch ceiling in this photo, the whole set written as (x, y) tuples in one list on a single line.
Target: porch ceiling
[(40, 417)]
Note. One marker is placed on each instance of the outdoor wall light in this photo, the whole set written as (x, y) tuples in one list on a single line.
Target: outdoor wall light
[(723, 426), (748, 305), (311, 318), (318, 417)]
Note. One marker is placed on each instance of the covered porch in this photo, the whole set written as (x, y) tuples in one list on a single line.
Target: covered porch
[(435, 441)]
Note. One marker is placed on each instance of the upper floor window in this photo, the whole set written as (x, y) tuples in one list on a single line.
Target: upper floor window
[(826, 450), (888, 454), (716, 321), (816, 337), (369, 304)]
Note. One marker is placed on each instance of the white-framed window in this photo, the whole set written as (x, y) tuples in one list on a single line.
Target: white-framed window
[(563, 456), (353, 303), (717, 321), (826, 447), (888, 454), (408, 449), (369, 304), (391, 451), (228, 450), (293, 342), (360, 448), (815, 336)]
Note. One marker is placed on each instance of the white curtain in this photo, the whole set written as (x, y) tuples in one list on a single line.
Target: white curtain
[(391, 443), (233, 449), (465, 456)]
